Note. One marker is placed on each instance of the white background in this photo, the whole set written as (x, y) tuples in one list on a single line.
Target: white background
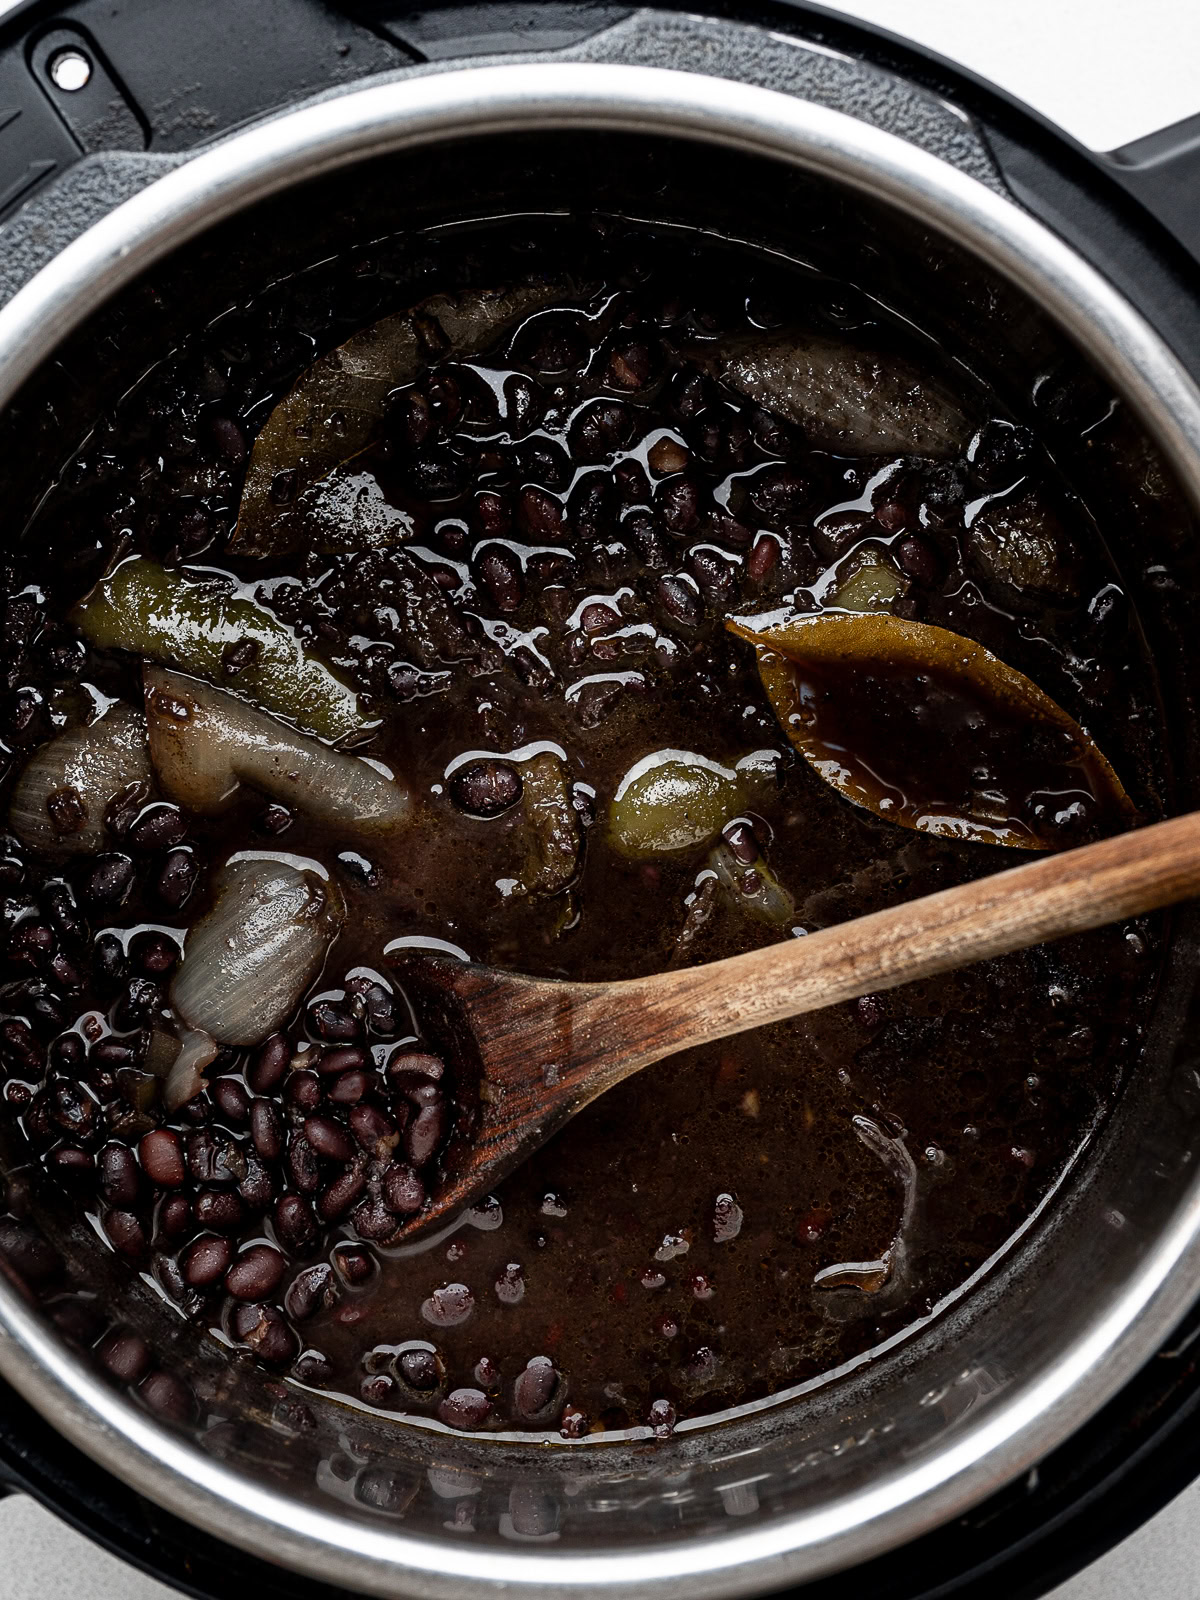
[(1108, 71)]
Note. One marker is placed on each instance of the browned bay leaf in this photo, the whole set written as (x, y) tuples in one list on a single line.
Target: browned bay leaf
[(932, 731), (333, 412)]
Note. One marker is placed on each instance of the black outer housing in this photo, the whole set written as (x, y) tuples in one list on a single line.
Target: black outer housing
[(169, 75)]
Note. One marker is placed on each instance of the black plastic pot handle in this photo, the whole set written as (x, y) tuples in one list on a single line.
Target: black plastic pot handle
[(1162, 171)]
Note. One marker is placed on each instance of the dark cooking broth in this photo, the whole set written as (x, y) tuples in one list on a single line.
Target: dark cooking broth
[(523, 577)]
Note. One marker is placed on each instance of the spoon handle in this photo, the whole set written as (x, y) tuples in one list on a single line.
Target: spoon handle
[(1055, 895)]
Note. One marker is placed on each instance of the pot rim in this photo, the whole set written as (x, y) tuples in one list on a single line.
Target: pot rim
[(1045, 1408)]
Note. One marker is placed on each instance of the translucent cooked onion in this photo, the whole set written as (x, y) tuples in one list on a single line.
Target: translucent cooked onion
[(185, 1079), (247, 962), (59, 801), (205, 743)]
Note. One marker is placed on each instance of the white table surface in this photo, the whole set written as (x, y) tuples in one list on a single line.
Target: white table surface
[(1109, 71)]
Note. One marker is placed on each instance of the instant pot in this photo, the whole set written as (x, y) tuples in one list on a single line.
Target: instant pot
[(160, 159)]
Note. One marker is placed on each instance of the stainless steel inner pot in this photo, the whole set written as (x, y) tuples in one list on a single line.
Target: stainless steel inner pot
[(864, 1462)]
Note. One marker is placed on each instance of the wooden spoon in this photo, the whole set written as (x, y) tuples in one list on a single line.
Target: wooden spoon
[(526, 1054)]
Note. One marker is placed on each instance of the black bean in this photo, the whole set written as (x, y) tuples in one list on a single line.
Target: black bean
[(375, 1132), (329, 1139), (231, 1099), (220, 1209), (256, 1273), (112, 1054), (160, 827), (125, 1233), (266, 1129), (677, 504), (257, 1188), (202, 1155), (265, 1330), (229, 439), (175, 1216), (354, 1265), (341, 1195), (417, 1090), (424, 1134), (108, 960), (539, 515), (403, 1192), (780, 494), (421, 1369), (464, 1408), (350, 1087), (918, 558), (176, 878), (140, 998), (34, 1257), (125, 1354), (315, 1289), (406, 1060), (333, 1023), (109, 879), (485, 788), (410, 420), (154, 953), (501, 575), (313, 1368), (604, 426), (373, 1220), (303, 1092), (19, 1045), (344, 1058), (31, 944), (63, 911), (168, 1395), (714, 575), (303, 1165), (161, 1156), (535, 1388), (68, 1053), (120, 1176), (72, 1109), (679, 600), (270, 1062), (206, 1261), (379, 1390), (591, 506), (295, 1224)]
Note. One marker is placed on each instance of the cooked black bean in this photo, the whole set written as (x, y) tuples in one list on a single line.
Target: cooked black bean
[(160, 827), (125, 1232), (266, 1129), (206, 1261), (162, 1158), (256, 1273), (329, 1139), (109, 880), (303, 1165), (355, 1266), (349, 1087), (270, 1062), (265, 1330), (424, 1134), (125, 1354), (403, 1191), (175, 1218), (535, 1388), (486, 788), (296, 1224), (333, 1023), (343, 1058), (176, 878), (167, 1394), (464, 1408), (120, 1176), (375, 1133), (315, 1289), (219, 1209), (231, 1099), (341, 1195)]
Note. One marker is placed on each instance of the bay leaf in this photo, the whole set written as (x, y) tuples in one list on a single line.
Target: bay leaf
[(334, 410), (930, 730)]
